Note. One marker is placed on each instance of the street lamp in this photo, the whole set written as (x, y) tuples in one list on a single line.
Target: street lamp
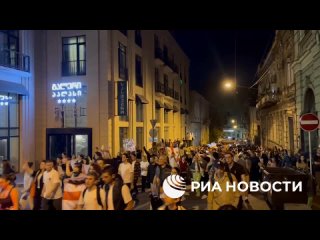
[(235, 126), (233, 121)]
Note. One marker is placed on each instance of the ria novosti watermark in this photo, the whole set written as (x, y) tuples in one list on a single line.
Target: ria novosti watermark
[(174, 186), (253, 186)]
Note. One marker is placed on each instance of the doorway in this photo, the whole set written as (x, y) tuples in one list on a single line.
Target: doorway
[(68, 140)]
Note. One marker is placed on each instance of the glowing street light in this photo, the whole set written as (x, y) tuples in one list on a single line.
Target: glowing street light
[(233, 121), (235, 126)]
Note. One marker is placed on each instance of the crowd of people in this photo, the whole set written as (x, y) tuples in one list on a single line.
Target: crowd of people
[(104, 182)]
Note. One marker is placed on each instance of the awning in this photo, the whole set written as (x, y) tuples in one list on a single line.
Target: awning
[(159, 104), (175, 109), (142, 99), (11, 87), (182, 111), (167, 107)]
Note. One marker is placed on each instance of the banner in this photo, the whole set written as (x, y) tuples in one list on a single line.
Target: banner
[(129, 145), (122, 99)]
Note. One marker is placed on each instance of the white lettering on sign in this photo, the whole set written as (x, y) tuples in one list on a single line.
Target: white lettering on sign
[(66, 92), (4, 100)]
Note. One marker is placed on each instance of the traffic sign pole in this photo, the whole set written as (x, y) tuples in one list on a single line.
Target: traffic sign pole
[(310, 155), (309, 122)]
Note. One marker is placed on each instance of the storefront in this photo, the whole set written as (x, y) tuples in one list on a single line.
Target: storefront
[(10, 115)]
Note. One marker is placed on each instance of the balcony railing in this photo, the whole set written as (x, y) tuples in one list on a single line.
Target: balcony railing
[(159, 87), (169, 92), (158, 53), (72, 68), (268, 100), (176, 95), (13, 59)]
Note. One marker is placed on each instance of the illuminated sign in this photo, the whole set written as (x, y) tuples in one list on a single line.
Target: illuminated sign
[(4, 100), (122, 98), (66, 92)]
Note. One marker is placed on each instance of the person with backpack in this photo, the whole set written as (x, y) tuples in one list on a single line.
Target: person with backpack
[(217, 198), (92, 197), (117, 192)]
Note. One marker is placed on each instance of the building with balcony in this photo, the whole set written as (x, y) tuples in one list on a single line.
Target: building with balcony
[(99, 87), (306, 73), (199, 118), (276, 105), (17, 98)]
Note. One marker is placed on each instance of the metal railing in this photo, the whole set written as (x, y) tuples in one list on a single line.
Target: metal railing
[(13, 59), (158, 53), (159, 87), (71, 68)]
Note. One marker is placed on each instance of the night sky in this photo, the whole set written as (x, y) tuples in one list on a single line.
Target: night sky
[(212, 56)]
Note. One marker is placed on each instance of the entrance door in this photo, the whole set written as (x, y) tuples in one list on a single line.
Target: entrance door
[(70, 141)]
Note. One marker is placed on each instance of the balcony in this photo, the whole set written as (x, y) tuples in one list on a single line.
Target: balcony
[(159, 87), (268, 101), (15, 60), (289, 92), (169, 92), (168, 64), (123, 73), (73, 68), (158, 55), (176, 95)]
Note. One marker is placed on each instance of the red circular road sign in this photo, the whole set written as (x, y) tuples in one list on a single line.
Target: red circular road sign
[(309, 122)]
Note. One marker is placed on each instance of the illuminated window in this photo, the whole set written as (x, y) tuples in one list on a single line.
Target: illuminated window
[(74, 56)]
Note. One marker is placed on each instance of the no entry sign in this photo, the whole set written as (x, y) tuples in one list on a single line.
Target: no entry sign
[(309, 122)]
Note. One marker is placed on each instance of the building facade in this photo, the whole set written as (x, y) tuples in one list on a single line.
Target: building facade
[(17, 102), (276, 106), (306, 72), (99, 87), (199, 118)]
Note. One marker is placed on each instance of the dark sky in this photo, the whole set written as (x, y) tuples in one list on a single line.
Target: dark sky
[(212, 55)]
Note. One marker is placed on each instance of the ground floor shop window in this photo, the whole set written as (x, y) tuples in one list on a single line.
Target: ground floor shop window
[(123, 134), (9, 129), (139, 136)]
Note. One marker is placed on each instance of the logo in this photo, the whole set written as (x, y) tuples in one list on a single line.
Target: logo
[(174, 186)]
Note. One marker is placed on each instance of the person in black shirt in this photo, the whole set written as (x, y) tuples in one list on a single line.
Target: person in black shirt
[(237, 170)]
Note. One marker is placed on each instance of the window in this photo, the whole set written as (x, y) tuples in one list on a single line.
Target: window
[(166, 83), (9, 128), (139, 110), (139, 136), (166, 116), (158, 111), (9, 51), (122, 61), (74, 56), (165, 53), (139, 79), (156, 42), (138, 38), (123, 134), (166, 133), (289, 74), (156, 75), (124, 32)]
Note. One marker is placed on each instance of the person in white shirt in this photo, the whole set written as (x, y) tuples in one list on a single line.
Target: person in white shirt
[(172, 161), (125, 170), (118, 193), (92, 197), (51, 192), (144, 164), (26, 199)]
